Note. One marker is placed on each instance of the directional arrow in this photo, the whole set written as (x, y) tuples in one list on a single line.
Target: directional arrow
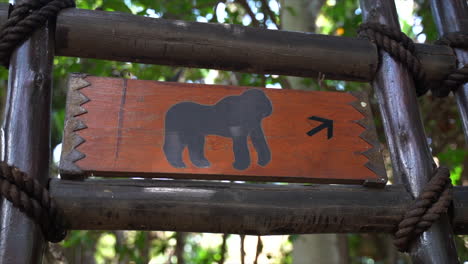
[(326, 123)]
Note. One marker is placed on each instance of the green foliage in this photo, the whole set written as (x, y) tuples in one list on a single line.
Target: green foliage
[(112, 5), (202, 255), (76, 237), (453, 158), (343, 15), (341, 18), (461, 243), (429, 28)]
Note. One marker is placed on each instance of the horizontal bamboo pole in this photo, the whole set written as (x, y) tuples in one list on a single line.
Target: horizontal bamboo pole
[(265, 209), (125, 37)]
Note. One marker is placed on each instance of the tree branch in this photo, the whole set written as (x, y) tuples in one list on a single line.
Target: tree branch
[(259, 249), (223, 249), (179, 250), (242, 249), (267, 11), (249, 11)]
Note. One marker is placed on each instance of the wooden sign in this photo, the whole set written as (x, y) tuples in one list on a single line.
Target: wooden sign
[(132, 128)]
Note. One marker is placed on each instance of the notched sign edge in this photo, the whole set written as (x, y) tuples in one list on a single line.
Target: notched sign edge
[(374, 155), (71, 140)]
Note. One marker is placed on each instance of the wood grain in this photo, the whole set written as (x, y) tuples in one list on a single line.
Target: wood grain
[(124, 134), (26, 139), (126, 37), (257, 209), (131, 38)]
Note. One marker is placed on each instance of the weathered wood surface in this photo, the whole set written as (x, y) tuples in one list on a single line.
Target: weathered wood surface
[(120, 127), (25, 139), (451, 16), (411, 156), (263, 209), (124, 37), (459, 214)]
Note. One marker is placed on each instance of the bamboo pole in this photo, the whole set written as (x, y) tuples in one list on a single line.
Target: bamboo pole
[(25, 139), (451, 16), (124, 37), (259, 209), (411, 158)]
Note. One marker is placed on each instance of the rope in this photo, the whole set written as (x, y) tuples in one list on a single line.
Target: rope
[(24, 20), (426, 209), (31, 198), (400, 47), (459, 76)]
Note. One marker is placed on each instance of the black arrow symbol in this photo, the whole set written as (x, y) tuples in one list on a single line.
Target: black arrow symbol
[(326, 123)]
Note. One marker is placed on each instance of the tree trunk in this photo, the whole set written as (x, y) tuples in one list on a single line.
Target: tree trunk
[(319, 248), (179, 250), (300, 15)]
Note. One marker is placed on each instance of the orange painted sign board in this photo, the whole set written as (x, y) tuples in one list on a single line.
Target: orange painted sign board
[(134, 128)]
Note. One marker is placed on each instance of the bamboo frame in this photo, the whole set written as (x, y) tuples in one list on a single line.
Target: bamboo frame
[(215, 207), (412, 160)]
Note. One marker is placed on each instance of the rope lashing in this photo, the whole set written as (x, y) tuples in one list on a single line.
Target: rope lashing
[(433, 201), (24, 19), (401, 48), (459, 76), (33, 199)]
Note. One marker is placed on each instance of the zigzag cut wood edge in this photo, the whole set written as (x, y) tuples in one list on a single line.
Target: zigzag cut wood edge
[(71, 140), (374, 155)]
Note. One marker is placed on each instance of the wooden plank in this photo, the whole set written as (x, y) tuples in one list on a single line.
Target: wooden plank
[(119, 127), (258, 209)]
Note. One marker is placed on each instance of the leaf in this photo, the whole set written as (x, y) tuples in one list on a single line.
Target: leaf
[(452, 157), (116, 5)]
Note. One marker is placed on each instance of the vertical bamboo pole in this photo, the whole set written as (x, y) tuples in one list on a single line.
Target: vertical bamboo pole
[(411, 158), (25, 139), (452, 16)]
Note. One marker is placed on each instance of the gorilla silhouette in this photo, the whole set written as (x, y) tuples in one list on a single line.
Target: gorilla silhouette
[(237, 117)]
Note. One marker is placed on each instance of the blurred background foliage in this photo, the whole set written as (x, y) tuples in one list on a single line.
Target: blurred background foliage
[(333, 17)]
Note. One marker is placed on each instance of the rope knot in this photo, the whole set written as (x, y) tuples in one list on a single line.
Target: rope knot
[(33, 199), (400, 47), (23, 20), (433, 201)]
